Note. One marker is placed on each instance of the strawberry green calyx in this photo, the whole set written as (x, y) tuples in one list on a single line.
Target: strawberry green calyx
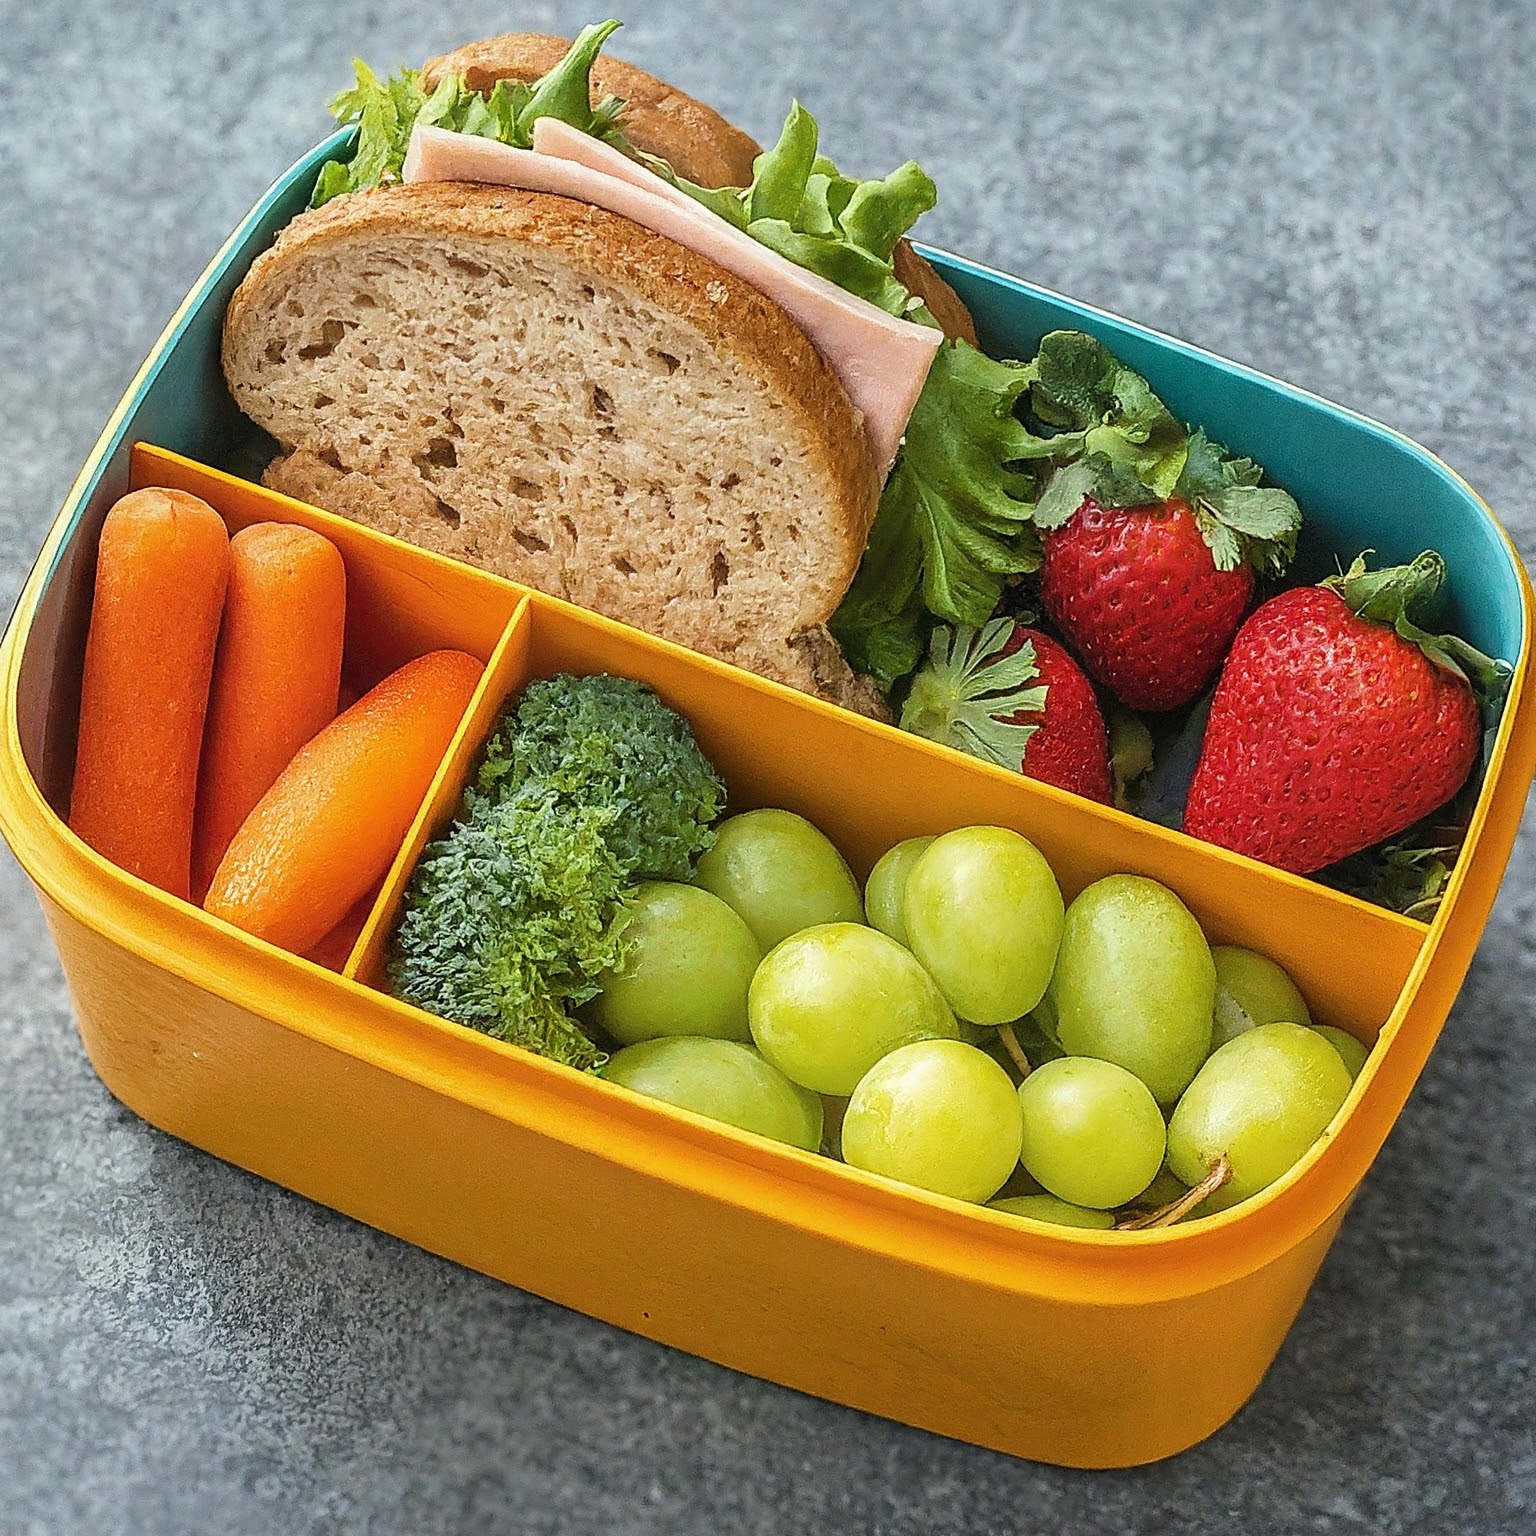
[(970, 690), (1391, 596), (1120, 447), (1241, 521), (1400, 875), (1105, 413)]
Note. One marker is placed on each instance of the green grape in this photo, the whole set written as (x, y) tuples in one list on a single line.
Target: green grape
[(1060, 1213), (938, 1114), (1093, 1133), (1261, 1101), (983, 913), (829, 1002), (724, 1081), (1134, 983), (1352, 1052), (1042, 1017), (1019, 1182), (1251, 989), (780, 874), (887, 885), (688, 964)]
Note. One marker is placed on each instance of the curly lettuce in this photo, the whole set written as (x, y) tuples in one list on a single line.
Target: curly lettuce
[(387, 110), (800, 205), (953, 522)]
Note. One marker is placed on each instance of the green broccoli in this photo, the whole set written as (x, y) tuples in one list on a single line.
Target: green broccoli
[(588, 786), (610, 741)]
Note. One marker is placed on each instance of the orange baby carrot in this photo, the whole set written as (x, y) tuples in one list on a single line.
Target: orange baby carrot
[(334, 820), (335, 949), (275, 676), (161, 570)]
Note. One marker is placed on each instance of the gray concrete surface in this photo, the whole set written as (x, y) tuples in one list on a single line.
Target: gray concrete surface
[(1342, 193)]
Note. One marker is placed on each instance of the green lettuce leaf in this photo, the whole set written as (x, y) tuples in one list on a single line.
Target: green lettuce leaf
[(780, 174), (882, 622), (1408, 874), (954, 523), (387, 110), (800, 205)]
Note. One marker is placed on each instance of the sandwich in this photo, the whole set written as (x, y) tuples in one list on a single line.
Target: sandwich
[(562, 321)]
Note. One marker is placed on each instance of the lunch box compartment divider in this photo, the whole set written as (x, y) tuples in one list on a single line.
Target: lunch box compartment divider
[(503, 674)]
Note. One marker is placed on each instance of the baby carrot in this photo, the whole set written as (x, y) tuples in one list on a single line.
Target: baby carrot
[(161, 570), (334, 820), (275, 676), (334, 950)]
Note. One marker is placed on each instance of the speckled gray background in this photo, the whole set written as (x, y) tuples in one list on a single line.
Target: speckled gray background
[(1342, 193)]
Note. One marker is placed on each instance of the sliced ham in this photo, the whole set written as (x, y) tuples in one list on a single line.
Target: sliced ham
[(881, 361)]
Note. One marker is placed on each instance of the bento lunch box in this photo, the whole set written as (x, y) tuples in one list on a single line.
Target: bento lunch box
[(1083, 1348)]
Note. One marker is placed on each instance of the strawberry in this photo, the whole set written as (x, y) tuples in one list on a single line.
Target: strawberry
[(1137, 593), (1337, 722), (1149, 552), (1013, 696)]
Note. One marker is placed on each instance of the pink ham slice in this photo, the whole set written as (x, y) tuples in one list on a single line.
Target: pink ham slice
[(881, 361)]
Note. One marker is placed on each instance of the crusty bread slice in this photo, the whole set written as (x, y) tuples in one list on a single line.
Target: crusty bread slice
[(545, 389), (692, 138)]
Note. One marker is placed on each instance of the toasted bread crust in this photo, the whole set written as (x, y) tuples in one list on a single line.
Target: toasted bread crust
[(693, 139)]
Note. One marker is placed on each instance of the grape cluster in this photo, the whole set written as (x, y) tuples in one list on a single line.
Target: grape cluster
[(960, 1028)]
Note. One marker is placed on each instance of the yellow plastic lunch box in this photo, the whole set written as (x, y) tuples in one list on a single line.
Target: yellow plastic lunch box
[(1078, 1347)]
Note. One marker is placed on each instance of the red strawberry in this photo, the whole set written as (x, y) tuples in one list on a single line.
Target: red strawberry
[(1336, 722), (1011, 695), (1137, 593)]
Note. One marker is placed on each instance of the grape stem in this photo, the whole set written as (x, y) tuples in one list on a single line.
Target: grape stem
[(1166, 1215), (1014, 1049)]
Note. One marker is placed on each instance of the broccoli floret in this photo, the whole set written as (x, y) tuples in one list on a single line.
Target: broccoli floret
[(589, 785), (610, 741)]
